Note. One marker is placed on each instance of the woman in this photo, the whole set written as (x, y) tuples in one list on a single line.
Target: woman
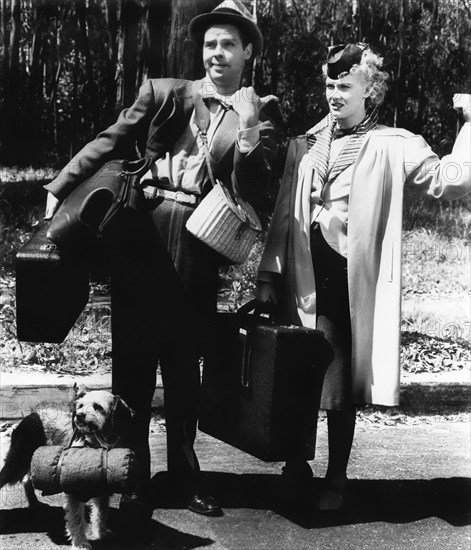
[(332, 260)]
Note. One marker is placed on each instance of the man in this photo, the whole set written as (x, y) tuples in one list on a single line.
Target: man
[(164, 281)]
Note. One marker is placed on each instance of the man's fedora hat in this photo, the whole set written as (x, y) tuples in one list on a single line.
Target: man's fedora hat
[(341, 58), (230, 12)]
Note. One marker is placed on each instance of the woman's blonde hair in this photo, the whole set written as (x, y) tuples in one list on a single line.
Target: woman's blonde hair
[(370, 69)]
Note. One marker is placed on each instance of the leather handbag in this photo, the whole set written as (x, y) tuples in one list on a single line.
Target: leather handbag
[(222, 221), (87, 210), (52, 289)]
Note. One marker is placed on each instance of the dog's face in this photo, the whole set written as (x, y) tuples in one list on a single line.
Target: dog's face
[(100, 416)]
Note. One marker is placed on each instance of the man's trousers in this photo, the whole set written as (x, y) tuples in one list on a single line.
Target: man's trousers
[(164, 293)]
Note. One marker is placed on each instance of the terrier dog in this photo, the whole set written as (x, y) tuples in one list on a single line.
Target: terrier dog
[(98, 419)]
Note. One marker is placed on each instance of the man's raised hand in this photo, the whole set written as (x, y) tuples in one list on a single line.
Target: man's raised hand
[(247, 104), (462, 102)]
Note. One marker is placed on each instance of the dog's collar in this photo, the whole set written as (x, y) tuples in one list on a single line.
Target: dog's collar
[(73, 437), (103, 443)]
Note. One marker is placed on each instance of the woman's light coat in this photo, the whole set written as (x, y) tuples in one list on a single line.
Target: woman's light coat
[(389, 158)]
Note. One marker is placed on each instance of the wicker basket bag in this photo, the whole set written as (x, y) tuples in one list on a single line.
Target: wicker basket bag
[(225, 223), (227, 226)]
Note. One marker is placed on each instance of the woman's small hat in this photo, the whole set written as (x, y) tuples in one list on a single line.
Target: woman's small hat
[(341, 58), (230, 12)]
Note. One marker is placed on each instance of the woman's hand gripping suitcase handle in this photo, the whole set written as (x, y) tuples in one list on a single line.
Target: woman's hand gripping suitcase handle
[(266, 300), (52, 204)]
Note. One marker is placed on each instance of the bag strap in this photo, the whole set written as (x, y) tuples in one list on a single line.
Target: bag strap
[(65, 450), (104, 465), (137, 168), (202, 119), (202, 122)]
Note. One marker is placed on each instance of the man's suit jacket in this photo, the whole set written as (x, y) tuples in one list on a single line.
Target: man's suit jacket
[(154, 122)]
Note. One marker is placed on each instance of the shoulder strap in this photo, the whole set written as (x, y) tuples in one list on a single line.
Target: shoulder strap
[(201, 110), (202, 121)]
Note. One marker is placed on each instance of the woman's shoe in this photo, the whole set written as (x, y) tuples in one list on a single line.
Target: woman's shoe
[(331, 500), (332, 496)]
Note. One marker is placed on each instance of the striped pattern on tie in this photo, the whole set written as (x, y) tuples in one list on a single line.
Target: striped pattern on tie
[(319, 140), (319, 150), (350, 152)]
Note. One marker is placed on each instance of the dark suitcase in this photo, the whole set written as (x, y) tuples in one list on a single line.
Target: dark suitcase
[(52, 289), (261, 386)]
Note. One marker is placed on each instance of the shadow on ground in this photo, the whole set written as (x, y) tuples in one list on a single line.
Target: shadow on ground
[(45, 519), (367, 501), (50, 520)]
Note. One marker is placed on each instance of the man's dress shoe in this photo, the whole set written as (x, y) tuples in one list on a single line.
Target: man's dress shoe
[(204, 505)]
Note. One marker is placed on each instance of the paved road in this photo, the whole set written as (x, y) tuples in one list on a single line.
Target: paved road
[(410, 489)]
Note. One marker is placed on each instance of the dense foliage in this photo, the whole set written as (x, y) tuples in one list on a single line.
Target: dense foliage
[(426, 47), (68, 66)]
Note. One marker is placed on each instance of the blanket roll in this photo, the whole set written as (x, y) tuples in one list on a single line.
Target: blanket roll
[(84, 472)]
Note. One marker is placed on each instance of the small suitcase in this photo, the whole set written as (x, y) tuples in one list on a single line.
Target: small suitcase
[(52, 289), (261, 386)]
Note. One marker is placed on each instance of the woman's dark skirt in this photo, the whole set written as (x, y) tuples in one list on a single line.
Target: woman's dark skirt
[(333, 318)]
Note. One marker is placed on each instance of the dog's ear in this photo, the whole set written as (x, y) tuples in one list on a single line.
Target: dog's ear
[(79, 391)]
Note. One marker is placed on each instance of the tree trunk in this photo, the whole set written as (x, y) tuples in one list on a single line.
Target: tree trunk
[(3, 66), (73, 123), (91, 102), (37, 85), (400, 67), (143, 44), (184, 59), (356, 14), (11, 135), (127, 52), (58, 14), (5, 34), (274, 47), (424, 80), (159, 23), (111, 14)]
